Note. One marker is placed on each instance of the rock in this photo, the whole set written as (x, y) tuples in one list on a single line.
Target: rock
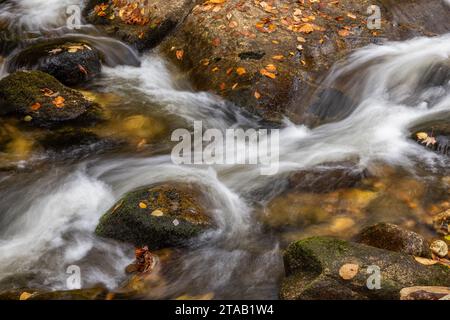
[(72, 63), (131, 219), (80, 294), (424, 293), (441, 223), (143, 27), (439, 248), (44, 101), (391, 237), (326, 178), (312, 271), (270, 61)]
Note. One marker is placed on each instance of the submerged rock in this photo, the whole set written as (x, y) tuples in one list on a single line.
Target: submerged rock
[(157, 216), (71, 63), (391, 237), (143, 24), (41, 100), (314, 269)]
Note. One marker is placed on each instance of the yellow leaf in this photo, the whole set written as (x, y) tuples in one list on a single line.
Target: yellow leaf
[(278, 57), (421, 135), (25, 296), (306, 28), (142, 205), (157, 213), (271, 68)]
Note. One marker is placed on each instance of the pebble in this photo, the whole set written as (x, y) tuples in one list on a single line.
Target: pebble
[(439, 248)]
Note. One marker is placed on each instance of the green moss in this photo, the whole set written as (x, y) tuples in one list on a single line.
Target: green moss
[(131, 219)]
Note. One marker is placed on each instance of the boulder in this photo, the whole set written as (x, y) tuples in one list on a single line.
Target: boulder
[(270, 57), (41, 100), (391, 237), (143, 24), (441, 223), (72, 63), (328, 268), (156, 216), (327, 178)]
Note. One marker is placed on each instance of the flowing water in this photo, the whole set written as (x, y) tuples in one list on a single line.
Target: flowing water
[(49, 209)]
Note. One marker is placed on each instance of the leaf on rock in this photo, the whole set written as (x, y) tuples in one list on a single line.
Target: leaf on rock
[(36, 106), (268, 74), (180, 54), (142, 205), (425, 261), (348, 271), (59, 102), (241, 71)]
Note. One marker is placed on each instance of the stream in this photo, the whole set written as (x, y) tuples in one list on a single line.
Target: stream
[(49, 209)]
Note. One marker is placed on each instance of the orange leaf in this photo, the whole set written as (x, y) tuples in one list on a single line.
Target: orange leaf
[(180, 54), (241, 71), (268, 74), (271, 68), (59, 102), (343, 32), (257, 95), (36, 106)]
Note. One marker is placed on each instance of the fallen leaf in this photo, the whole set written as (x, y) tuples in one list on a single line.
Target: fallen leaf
[(82, 69), (47, 92), (25, 296), (36, 106), (343, 32), (306, 28), (422, 135), (278, 57), (180, 54), (425, 261), (59, 101), (142, 205), (241, 71), (257, 95), (348, 271), (271, 68), (157, 213), (268, 74)]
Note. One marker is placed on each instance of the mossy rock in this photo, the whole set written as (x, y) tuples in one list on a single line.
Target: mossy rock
[(41, 100), (391, 237), (313, 271), (99, 293), (72, 63), (157, 216)]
